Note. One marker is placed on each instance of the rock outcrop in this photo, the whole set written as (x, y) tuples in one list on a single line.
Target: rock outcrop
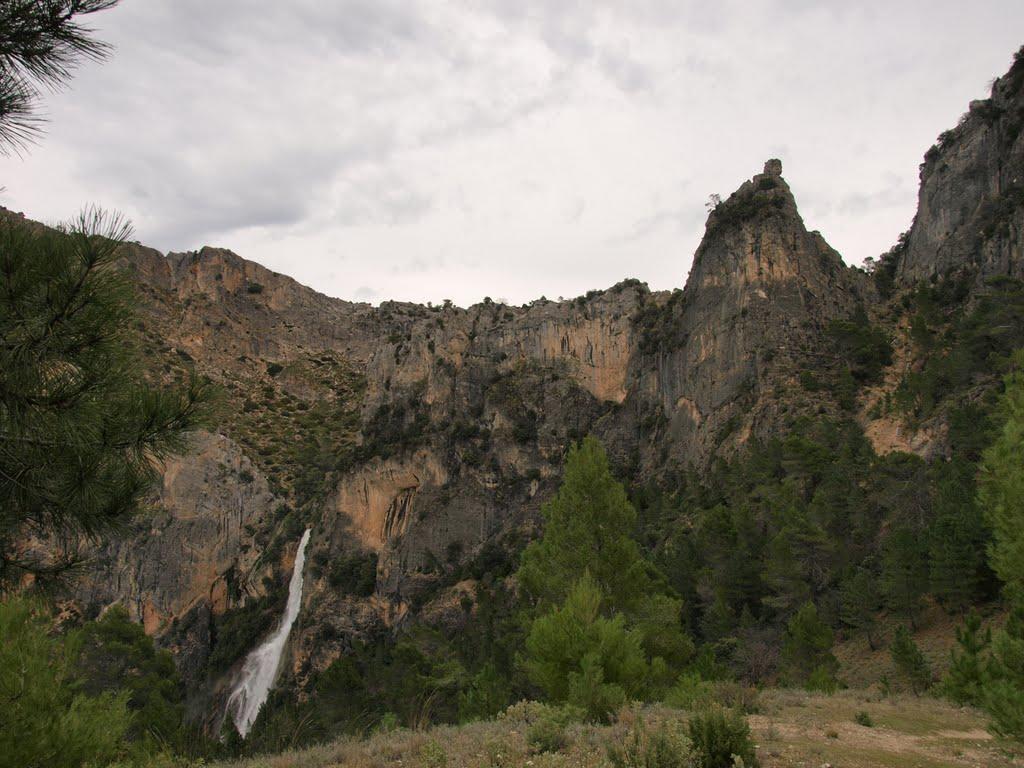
[(970, 210)]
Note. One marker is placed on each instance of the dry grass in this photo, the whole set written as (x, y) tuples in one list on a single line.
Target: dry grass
[(791, 729)]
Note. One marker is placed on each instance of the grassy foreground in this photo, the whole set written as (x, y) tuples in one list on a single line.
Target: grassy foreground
[(790, 728)]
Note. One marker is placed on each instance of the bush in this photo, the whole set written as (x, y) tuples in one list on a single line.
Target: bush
[(667, 747), (691, 691), (547, 734), (718, 735), (863, 718)]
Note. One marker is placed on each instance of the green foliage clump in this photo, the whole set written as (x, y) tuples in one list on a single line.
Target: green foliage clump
[(625, 613), (719, 736), (354, 574), (46, 720), (910, 663), (863, 718), (661, 326), (864, 349), (1004, 697), (547, 732), (1001, 491), (587, 528), (859, 600), (1001, 495), (116, 655), (976, 346), (691, 691)]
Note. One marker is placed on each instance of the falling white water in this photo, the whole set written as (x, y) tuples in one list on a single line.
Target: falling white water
[(260, 669)]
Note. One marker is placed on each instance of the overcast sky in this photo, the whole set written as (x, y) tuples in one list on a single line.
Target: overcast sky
[(386, 149)]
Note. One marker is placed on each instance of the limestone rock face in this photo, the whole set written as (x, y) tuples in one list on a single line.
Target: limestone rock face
[(971, 203), (759, 297)]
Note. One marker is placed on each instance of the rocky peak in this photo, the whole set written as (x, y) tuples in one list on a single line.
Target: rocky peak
[(971, 202), (758, 299)]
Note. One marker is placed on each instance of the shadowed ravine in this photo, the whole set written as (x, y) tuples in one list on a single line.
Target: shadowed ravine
[(260, 668)]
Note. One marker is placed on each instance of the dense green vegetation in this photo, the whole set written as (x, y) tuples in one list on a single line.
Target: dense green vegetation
[(86, 696)]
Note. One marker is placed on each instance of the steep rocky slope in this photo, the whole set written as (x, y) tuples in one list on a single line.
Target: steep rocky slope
[(416, 440)]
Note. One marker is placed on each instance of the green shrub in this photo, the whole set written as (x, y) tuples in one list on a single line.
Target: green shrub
[(718, 735), (691, 691), (547, 734), (863, 718), (667, 747)]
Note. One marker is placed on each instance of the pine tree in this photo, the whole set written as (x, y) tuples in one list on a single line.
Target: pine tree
[(910, 662), (968, 672), (904, 577), (47, 720), (1004, 693), (1001, 495), (80, 428), (859, 600), (956, 539), (41, 43), (807, 648), (576, 655), (587, 527), (1001, 491)]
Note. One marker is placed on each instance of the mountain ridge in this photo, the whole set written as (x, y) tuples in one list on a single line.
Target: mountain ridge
[(418, 440)]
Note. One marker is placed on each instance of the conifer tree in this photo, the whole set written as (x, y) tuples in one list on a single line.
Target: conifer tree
[(1004, 693), (858, 602), (1001, 490), (576, 655), (587, 528), (81, 430), (1001, 494), (910, 662), (807, 648), (904, 577), (968, 673), (956, 539)]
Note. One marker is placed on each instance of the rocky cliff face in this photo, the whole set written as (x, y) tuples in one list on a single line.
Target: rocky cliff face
[(415, 439), (971, 204), (760, 294)]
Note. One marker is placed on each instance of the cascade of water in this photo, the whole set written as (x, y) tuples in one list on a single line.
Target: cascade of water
[(260, 669)]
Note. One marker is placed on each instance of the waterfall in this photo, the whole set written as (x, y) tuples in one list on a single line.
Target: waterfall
[(260, 669)]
